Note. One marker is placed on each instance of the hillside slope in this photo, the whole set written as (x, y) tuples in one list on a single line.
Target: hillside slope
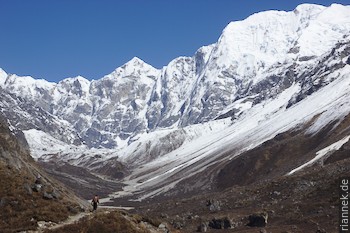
[(26, 200)]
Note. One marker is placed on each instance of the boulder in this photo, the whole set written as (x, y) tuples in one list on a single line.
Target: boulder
[(178, 224), (37, 187), (47, 196), (214, 205), (55, 194), (73, 209), (163, 228), (203, 227), (257, 220), (221, 223)]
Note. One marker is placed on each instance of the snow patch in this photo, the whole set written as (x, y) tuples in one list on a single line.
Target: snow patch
[(321, 153)]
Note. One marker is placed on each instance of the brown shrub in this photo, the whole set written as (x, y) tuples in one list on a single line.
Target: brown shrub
[(20, 210), (103, 223)]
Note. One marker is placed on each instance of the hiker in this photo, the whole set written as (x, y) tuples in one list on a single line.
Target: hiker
[(95, 201), (38, 180)]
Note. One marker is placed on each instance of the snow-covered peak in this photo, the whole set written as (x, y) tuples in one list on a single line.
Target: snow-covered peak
[(77, 81), (308, 9), (27, 81), (177, 61), (304, 13), (135, 67), (258, 41), (77, 86), (26, 85), (250, 60), (3, 76), (324, 31), (206, 50), (249, 47), (135, 61), (201, 57)]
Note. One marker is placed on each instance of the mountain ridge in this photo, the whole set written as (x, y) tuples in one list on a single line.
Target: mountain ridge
[(222, 80), (137, 97), (258, 122)]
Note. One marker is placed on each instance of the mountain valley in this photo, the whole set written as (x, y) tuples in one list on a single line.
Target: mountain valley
[(251, 133)]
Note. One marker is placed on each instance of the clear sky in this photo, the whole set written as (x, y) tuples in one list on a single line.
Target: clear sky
[(56, 39)]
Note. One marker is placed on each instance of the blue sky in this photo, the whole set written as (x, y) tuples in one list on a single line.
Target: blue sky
[(56, 39)]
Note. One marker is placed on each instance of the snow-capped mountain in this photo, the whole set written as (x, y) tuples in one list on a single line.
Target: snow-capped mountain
[(271, 73), (258, 57)]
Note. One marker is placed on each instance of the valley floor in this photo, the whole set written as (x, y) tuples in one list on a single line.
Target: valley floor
[(307, 202)]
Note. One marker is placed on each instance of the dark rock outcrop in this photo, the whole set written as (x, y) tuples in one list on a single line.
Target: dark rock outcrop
[(257, 220), (220, 223)]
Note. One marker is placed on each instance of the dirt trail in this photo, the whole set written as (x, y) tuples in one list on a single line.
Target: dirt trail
[(42, 226), (70, 220)]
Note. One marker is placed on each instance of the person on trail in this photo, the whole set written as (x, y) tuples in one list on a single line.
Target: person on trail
[(38, 179), (95, 201)]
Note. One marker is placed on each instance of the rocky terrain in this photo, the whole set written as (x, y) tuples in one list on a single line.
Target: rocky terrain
[(250, 134), (27, 194), (258, 183), (32, 201), (307, 202)]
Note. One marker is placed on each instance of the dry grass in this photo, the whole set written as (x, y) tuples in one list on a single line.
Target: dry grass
[(102, 222), (21, 210)]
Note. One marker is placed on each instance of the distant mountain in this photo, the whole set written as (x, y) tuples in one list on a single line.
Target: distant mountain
[(256, 58), (272, 74)]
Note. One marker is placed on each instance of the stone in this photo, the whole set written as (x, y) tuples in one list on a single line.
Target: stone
[(222, 223), (55, 194), (178, 225), (37, 187), (47, 196), (28, 189), (163, 228), (203, 227), (3, 202), (257, 220), (214, 205), (72, 210), (38, 180)]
